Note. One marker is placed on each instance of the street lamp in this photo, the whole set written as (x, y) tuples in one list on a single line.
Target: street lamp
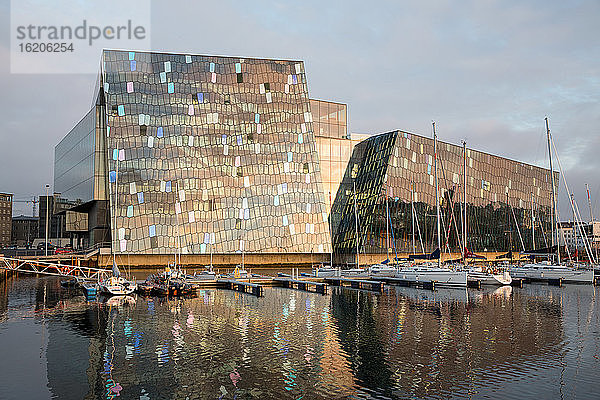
[(47, 213)]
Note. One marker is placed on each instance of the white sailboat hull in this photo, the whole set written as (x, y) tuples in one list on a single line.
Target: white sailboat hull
[(383, 270), (440, 276), (117, 286), (543, 272), (325, 272), (118, 290), (490, 279), (355, 273)]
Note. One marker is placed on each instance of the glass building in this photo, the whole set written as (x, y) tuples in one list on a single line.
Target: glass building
[(387, 196), (198, 154), (205, 154), (333, 143)]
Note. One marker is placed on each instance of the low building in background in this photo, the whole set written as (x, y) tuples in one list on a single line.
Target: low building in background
[(395, 171), (580, 236), (6, 206), (53, 209), (24, 230)]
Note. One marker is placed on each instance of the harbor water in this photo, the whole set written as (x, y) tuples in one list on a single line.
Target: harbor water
[(535, 342)]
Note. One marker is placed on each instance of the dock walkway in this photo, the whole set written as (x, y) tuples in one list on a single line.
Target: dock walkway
[(375, 286), (305, 285), (241, 286)]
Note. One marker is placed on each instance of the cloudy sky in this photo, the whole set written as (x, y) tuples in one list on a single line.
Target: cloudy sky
[(485, 71)]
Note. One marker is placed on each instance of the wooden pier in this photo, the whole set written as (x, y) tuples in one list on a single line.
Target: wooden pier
[(375, 286), (306, 285), (241, 286)]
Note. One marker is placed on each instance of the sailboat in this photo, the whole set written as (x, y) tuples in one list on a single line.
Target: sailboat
[(116, 284), (356, 272), (546, 270), (208, 272), (384, 268), (496, 276), (429, 272), (239, 272)]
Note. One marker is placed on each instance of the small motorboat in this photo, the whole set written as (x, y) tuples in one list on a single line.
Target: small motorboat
[(90, 289)]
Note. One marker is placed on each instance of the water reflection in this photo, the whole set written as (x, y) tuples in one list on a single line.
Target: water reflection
[(539, 341)]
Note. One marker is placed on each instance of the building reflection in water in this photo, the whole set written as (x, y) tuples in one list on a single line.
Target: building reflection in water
[(405, 342)]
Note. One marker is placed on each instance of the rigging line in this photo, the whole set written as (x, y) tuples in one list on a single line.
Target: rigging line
[(517, 225), (454, 219), (392, 231), (576, 214), (418, 230), (451, 217), (445, 184), (596, 194), (586, 241), (538, 219)]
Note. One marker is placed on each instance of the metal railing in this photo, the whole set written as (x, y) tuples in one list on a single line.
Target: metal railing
[(53, 269)]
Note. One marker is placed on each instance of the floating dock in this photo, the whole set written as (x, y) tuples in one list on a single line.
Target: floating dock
[(241, 286), (403, 282), (375, 286), (306, 285)]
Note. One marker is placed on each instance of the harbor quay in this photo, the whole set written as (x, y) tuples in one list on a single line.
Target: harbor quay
[(275, 261), (262, 261)]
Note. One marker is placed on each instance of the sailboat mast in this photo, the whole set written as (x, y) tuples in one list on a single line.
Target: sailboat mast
[(532, 223), (178, 243), (464, 247), (387, 222), (210, 241), (575, 230), (331, 230), (554, 214), (356, 224), (437, 195), (587, 189), (412, 214), (115, 207)]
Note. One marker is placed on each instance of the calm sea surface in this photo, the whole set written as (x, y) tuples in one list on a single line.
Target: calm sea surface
[(538, 342)]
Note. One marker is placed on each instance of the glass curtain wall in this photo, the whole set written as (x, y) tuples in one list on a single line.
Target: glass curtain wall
[(211, 154), (396, 170)]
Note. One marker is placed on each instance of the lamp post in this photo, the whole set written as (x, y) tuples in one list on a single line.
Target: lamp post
[(47, 213)]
